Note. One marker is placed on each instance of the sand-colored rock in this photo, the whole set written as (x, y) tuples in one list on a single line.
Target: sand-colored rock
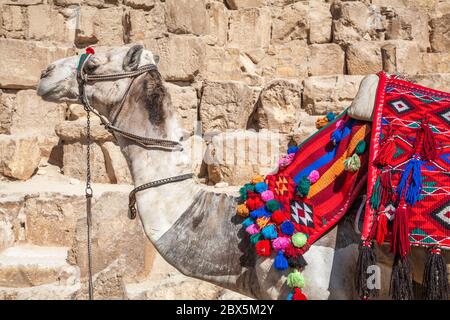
[(187, 16), (326, 59), (241, 4), (440, 28), (291, 23), (22, 61), (185, 101), (320, 22), (19, 156), (46, 23), (243, 24), (225, 105), (278, 106), (115, 164), (364, 58), (329, 93), (218, 23)]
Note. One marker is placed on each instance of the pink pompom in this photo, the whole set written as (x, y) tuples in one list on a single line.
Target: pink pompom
[(267, 195), (286, 160), (339, 124), (281, 243), (252, 229), (314, 176)]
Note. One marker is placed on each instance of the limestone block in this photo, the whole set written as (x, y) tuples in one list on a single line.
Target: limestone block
[(140, 24), (7, 102), (242, 4), (440, 28), (140, 4), (221, 64), (364, 58), (326, 59), (32, 114), (12, 21), (250, 28), (278, 106), (225, 105), (291, 23), (288, 60), (436, 62), (435, 81), (187, 16), (19, 156), (354, 21), (234, 157), (185, 102), (320, 22), (218, 23), (329, 93), (23, 61), (73, 131), (182, 56), (114, 236), (116, 164)]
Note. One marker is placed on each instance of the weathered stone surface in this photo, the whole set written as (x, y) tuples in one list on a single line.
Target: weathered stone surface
[(278, 106), (364, 58), (73, 131), (25, 266), (12, 22), (218, 23), (355, 21), (185, 102), (225, 105), (7, 102), (438, 62), (181, 56), (116, 164), (187, 16), (409, 24), (408, 56), (233, 157), (244, 23), (320, 22), (326, 59), (240, 4), (140, 4), (435, 81), (286, 61), (440, 30), (221, 64), (22, 61), (46, 23), (19, 156), (329, 93), (291, 23), (74, 162), (114, 236), (32, 114)]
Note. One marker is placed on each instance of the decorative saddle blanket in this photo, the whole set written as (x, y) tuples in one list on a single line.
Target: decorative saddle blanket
[(408, 184), (316, 183)]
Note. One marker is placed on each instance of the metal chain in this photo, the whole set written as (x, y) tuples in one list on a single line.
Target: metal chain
[(89, 194)]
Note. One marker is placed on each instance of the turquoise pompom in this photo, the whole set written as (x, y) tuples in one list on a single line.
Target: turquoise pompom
[(330, 116), (360, 147), (269, 232), (247, 222), (303, 186), (261, 187)]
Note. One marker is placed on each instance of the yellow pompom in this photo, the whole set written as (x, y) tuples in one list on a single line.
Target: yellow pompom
[(257, 179), (321, 122), (262, 222), (242, 210)]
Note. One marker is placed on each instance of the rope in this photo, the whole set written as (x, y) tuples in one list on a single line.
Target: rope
[(89, 194)]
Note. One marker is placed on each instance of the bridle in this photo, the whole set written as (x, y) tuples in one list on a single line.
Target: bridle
[(83, 80)]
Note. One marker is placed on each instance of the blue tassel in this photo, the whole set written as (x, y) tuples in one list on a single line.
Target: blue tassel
[(337, 135), (290, 296), (415, 185), (281, 262), (247, 222), (269, 232), (293, 149)]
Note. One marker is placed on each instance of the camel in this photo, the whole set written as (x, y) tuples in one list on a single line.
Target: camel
[(193, 228)]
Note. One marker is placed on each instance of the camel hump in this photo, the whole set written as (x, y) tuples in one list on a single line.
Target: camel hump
[(364, 102)]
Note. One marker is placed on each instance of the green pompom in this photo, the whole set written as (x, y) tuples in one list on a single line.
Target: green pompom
[(244, 189), (254, 238), (296, 280), (353, 163), (360, 147), (299, 239), (273, 205), (303, 186)]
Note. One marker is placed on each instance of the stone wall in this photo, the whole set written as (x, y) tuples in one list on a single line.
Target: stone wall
[(231, 65)]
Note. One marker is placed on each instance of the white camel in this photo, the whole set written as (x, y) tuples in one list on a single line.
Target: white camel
[(194, 229)]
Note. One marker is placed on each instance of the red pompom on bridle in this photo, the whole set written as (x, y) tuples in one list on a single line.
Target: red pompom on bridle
[(90, 50)]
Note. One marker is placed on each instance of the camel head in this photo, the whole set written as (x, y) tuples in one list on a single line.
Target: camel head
[(58, 82)]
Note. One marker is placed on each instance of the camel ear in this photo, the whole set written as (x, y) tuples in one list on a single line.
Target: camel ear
[(133, 57)]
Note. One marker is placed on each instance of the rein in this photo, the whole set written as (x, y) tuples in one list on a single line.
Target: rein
[(83, 80)]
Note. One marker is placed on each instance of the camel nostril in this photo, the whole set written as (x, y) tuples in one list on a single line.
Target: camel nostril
[(46, 72)]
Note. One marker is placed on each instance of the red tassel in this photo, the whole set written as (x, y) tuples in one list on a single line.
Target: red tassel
[(400, 232), (385, 155), (381, 228), (299, 295), (429, 145), (386, 187)]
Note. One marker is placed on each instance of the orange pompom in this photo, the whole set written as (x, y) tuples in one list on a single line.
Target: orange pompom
[(262, 222), (321, 122), (256, 179), (242, 210)]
